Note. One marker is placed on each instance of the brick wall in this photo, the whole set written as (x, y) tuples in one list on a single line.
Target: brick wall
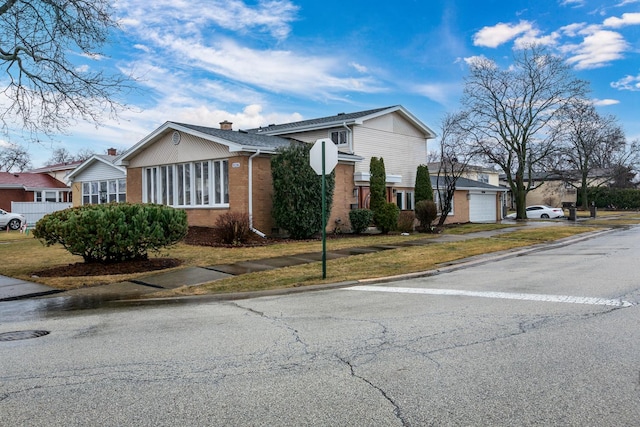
[(15, 195)]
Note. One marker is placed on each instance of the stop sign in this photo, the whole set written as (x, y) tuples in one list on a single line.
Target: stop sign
[(330, 156)]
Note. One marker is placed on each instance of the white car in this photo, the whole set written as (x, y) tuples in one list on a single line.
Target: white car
[(12, 220), (541, 211)]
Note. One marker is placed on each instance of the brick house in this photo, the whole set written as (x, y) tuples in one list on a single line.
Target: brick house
[(31, 187)]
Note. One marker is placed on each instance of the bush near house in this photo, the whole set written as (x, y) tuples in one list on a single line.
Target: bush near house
[(297, 192), (426, 212), (386, 218), (360, 219), (113, 232), (405, 221), (422, 188), (232, 228)]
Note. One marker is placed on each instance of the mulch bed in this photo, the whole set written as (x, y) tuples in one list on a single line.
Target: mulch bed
[(100, 269)]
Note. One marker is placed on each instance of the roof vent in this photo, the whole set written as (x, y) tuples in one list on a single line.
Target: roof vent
[(341, 114), (175, 138)]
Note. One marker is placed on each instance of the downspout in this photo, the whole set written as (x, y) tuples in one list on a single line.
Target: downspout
[(258, 232), (344, 125)]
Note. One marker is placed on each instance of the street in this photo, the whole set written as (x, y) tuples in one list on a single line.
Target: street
[(549, 338)]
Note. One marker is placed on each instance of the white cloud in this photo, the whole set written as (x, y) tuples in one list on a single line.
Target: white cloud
[(195, 17), (445, 94), (358, 67), (597, 50), (533, 37), (631, 83), (627, 19), (605, 102), (575, 3), (500, 33)]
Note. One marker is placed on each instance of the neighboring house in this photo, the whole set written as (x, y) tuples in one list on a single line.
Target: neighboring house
[(32, 194), (31, 187), (474, 201), (58, 171), (209, 171), (549, 189), (99, 179), (472, 172)]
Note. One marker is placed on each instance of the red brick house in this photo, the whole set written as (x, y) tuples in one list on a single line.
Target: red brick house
[(31, 187)]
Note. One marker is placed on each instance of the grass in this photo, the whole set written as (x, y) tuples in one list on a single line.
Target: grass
[(22, 255)]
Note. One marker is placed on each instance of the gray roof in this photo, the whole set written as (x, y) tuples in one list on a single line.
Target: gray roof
[(467, 183), (336, 119), (242, 138)]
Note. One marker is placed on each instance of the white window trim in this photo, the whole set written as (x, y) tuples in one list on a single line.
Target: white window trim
[(152, 192), (339, 131)]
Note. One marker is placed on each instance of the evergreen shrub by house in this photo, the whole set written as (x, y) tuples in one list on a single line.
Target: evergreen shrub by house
[(297, 192), (360, 220), (386, 218), (113, 232), (423, 189), (426, 212)]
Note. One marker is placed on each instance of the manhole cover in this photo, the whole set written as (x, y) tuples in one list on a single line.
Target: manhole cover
[(21, 335)]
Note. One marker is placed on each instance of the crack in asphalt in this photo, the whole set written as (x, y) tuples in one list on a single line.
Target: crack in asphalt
[(397, 411)]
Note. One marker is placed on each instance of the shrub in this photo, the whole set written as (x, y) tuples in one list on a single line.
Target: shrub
[(423, 189), (405, 221), (360, 219), (297, 192), (386, 218), (377, 184), (232, 228), (113, 232), (426, 212)]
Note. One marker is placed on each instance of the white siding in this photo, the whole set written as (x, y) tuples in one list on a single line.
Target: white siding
[(99, 171), (190, 148), (401, 145)]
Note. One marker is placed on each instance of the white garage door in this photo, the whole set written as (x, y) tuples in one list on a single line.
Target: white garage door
[(482, 207)]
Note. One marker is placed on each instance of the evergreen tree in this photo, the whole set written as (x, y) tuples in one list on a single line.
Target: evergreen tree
[(423, 189), (377, 184), (297, 192)]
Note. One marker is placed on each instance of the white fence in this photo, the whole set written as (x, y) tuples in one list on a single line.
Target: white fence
[(34, 211)]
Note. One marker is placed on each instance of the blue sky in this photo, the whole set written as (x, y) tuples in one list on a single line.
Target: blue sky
[(273, 61)]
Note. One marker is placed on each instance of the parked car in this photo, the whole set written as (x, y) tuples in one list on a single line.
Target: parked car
[(12, 220), (541, 211)]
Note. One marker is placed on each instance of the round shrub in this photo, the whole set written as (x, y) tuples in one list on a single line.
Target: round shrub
[(113, 232), (360, 220), (386, 218), (426, 212)]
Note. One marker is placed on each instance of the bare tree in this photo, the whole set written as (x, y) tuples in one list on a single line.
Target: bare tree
[(45, 91), (84, 154), (60, 156), (509, 112), (456, 153), (589, 142), (14, 159)]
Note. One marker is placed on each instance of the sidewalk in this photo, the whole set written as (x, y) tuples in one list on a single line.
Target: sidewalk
[(13, 289)]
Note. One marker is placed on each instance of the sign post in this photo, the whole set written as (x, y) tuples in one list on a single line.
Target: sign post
[(323, 158)]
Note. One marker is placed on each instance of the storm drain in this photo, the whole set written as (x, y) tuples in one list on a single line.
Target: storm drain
[(22, 335)]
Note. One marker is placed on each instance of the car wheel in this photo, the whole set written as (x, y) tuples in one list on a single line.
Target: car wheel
[(545, 216), (14, 224)]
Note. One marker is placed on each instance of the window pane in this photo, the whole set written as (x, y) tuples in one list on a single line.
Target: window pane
[(225, 180), (170, 199), (187, 184), (180, 184), (217, 183), (206, 189), (198, 183), (163, 183)]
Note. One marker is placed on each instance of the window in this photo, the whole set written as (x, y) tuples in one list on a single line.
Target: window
[(483, 177), (400, 199), (404, 200), (203, 183), (436, 199), (48, 196), (339, 137), (98, 192)]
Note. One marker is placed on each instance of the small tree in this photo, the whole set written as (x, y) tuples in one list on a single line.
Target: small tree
[(297, 192), (423, 189), (426, 212), (377, 184)]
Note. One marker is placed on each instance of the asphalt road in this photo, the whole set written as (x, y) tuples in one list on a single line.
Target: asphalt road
[(550, 338)]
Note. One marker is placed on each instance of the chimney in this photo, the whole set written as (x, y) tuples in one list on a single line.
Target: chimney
[(226, 125), (111, 152)]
